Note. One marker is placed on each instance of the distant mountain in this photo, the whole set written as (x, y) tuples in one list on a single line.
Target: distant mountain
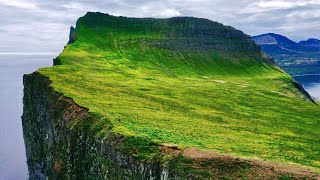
[(287, 52), (279, 42), (311, 43)]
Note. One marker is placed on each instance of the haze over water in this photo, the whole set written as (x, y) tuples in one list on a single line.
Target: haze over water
[(12, 151), (314, 90), (12, 67), (311, 83)]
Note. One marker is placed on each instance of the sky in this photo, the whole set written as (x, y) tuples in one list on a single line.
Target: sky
[(42, 26)]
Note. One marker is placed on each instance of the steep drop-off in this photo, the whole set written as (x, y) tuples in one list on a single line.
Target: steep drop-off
[(143, 98), (57, 151)]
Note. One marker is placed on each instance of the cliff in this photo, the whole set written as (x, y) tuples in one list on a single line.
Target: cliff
[(59, 148), (178, 98)]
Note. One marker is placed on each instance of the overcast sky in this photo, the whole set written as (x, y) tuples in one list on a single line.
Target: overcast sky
[(42, 26)]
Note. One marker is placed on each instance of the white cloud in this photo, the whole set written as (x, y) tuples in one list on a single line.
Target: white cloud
[(286, 4), (304, 14), (278, 4), (167, 13), (19, 4), (263, 6), (303, 26)]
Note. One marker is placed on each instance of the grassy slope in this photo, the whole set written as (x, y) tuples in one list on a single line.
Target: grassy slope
[(202, 99)]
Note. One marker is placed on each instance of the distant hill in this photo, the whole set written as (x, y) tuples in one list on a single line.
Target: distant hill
[(287, 52), (311, 43)]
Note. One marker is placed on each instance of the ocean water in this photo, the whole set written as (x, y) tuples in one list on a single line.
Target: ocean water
[(311, 83), (314, 90), (12, 151), (12, 67)]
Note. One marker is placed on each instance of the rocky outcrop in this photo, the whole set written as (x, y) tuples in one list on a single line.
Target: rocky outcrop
[(72, 35)]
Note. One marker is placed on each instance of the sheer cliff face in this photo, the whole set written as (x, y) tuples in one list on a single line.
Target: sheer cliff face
[(58, 149)]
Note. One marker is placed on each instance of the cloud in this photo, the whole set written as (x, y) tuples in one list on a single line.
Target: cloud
[(279, 4), (158, 10), (18, 4), (42, 26), (273, 5), (168, 13), (304, 15)]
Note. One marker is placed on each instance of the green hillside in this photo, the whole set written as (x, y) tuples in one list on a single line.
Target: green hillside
[(185, 82)]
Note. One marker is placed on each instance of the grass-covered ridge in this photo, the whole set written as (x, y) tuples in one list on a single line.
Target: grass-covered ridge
[(187, 82)]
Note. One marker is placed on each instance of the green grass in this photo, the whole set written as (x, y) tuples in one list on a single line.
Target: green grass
[(203, 98)]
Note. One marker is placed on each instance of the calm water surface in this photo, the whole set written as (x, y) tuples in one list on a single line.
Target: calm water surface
[(12, 152), (311, 83), (12, 67)]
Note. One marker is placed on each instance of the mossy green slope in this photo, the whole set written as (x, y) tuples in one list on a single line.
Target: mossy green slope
[(188, 82)]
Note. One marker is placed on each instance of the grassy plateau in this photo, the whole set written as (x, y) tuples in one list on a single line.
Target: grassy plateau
[(188, 82)]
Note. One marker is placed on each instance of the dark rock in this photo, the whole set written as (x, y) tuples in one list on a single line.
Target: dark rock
[(72, 35)]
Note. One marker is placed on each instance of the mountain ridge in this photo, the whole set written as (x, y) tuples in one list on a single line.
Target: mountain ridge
[(311, 42), (287, 52)]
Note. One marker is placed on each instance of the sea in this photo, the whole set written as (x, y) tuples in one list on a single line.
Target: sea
[(13, 164), (311, 83)]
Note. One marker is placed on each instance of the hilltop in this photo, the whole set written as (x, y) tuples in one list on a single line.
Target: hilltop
[(188, 91)]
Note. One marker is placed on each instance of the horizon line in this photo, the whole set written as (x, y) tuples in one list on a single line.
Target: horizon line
[(29, 53)]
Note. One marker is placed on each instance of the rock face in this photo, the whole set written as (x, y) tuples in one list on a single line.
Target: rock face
[(72, 35), (181, 33), (204, 34), (56, 152)]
